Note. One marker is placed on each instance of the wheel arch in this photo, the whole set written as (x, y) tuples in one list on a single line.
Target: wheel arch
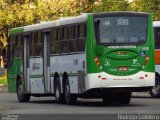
[(18, 77), (157, 75)]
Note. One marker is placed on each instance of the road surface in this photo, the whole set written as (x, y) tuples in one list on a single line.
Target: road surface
[(47, 105)]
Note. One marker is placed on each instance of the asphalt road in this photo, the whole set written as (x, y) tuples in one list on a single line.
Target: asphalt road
[(47, 105), (143, 104)]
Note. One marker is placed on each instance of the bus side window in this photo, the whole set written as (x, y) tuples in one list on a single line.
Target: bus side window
[(56, 41), (54, 37), (72, 39), (10, 55), (39, 43), (65, 45), (19, 46), (81, 37), (32, 45)]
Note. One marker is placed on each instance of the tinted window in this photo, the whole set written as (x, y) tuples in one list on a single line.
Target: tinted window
[(81, 37), (39, 44), (68, 39), (19, 46), (32, 48), (65, 45), (121, 29), (10, 54), (56, 41), (73, 39), (36, 44)]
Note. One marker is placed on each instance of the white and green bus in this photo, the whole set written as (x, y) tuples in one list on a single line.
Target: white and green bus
[(94, 55)]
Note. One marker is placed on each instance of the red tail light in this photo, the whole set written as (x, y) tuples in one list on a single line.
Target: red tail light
[(97, 61), (141, 78), (125, 52), (118, 52)]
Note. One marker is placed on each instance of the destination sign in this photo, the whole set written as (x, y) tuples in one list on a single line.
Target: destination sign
[(121, 46)]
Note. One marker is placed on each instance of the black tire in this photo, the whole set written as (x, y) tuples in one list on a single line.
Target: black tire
[(125, 98), (155, 92), (57, 90), (70, 99), (22, 97)]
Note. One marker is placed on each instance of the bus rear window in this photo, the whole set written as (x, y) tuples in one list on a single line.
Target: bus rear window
[(121, 29)]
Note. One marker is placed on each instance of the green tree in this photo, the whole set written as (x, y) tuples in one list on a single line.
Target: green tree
[(147, 6), (15, 13), (113, 5)]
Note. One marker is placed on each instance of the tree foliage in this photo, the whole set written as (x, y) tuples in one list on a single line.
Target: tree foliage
[(15, 13), (113, 5), (147, 6)]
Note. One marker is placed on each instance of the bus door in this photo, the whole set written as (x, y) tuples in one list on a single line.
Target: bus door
[(26, 63), (46, 38)]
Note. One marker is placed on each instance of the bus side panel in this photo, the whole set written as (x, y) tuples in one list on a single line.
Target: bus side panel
[(69, 64), (13, 72), (36, 75), (90, 47), (37, 85), (11, 85)]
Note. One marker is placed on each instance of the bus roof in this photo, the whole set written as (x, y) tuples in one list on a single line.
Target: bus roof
[(45, 25), (59, 22), (156, 23)]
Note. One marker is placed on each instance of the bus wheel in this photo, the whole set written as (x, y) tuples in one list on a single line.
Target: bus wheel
[(22, 97), (69, 98), (125, 98), (155, 92), (57, 89)]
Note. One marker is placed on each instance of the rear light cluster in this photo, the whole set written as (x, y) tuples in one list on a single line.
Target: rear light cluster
[(97, 61), (143, 78), (120, 52), (146, 60)]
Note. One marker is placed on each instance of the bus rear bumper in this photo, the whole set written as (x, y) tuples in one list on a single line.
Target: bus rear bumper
[(100, 92), (141, 81)]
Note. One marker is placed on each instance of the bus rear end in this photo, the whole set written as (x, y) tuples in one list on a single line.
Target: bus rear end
[(155, 92), (120, 54)]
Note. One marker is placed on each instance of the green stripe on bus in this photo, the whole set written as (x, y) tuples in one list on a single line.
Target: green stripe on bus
[(16, 30)]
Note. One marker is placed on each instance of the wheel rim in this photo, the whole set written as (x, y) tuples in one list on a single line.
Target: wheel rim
[(19, 87), (67, 93), (57, 92)]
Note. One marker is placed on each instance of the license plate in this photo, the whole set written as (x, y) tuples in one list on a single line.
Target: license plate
[(122, 68)]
